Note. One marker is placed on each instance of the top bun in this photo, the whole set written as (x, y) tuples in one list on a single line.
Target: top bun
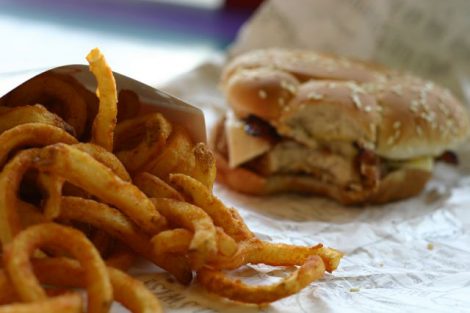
[(313, 98)]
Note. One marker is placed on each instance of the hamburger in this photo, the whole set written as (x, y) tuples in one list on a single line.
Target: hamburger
[(356, 132)]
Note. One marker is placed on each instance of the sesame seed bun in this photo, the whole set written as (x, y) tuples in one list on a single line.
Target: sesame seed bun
[(311, 97)]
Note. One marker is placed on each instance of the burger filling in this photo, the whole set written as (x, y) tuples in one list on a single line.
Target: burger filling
[(254, 144)]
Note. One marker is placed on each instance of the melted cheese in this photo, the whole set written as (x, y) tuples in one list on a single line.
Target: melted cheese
[(424, 163), (241, 146)]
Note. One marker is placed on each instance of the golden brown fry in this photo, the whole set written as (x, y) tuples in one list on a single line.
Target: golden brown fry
[(10, 178), (198, 194), (31, 134), (77, 167), (226, 245), (156, 131), (19, 268), (256, 251), (52, 185), (204, 241), (102, 132), (57, 95), (155, 187), (225, 286), (31, 114), (175, 241), (68, 303), (128, 291), (176, 156), (117, 225), (178, 240), (105, 157), (204, 168)]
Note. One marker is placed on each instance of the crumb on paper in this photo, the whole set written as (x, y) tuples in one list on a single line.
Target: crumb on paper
[(354, 289), (430, 246)]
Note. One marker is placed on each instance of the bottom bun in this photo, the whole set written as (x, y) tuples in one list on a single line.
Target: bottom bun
[(397, 185)]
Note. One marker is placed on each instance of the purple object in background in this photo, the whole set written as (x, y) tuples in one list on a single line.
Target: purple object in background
[(152, 20)]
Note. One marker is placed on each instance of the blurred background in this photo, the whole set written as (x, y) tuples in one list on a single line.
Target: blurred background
[(150, 40)]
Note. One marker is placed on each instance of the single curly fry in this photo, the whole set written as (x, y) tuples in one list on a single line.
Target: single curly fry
[(102, 132), (219, 283), (256, 251)]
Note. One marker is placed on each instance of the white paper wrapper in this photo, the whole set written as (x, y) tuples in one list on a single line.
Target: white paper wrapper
[(408, 256)]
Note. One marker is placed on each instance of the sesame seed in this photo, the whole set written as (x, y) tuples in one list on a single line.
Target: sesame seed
[(414, 106), (390, 140), (262, 94), (288, 86), (314, 96), (443, 108), (428, 86), (356, 100), (397, 125), (281, 101), (355, 88), (423, 96), (368, 108)]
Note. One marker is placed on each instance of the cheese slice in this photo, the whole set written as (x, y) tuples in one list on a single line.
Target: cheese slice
[(241, 146), (424, 163)]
